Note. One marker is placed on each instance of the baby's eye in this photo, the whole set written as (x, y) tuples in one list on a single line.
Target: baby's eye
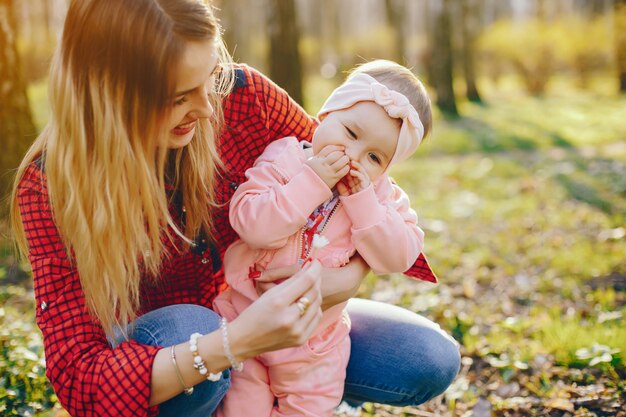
[(374, 158), (181, 101), (350, 132)]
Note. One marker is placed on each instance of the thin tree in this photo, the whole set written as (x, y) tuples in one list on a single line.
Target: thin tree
[(284, 58), (441, 58), (619, 17), (396, 10), (17, 129), (470, 10)]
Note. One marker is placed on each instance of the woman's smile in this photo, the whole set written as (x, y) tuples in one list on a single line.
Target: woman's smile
[(184, 128)]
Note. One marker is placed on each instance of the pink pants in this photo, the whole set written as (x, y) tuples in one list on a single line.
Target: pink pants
[(302, 381)]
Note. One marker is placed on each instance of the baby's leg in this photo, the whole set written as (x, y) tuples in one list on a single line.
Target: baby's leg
[(249, 394), (313, 385)]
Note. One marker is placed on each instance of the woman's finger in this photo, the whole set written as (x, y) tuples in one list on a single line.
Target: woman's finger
[(263, 287), (299, 284), (276, 274), (310, 321)]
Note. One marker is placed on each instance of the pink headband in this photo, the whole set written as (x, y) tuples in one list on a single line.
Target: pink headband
[(362, 87)]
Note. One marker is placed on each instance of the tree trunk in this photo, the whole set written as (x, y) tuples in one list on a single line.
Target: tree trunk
[(395, 20), (284, 60), (17, 129), (441, 59), (620, 42), (45, 4), (330, 40), (469, 18)]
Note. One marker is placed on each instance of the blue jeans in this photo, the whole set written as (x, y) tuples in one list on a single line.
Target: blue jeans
[(397, 357)]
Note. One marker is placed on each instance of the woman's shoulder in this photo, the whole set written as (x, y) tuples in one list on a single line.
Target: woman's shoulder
[(250, 81), (33, 177)]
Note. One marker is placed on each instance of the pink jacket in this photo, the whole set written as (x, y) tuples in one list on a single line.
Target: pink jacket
[(269, 210)]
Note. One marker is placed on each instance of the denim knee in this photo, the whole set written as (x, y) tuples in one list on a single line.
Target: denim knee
[(173, 324), (445, 363)]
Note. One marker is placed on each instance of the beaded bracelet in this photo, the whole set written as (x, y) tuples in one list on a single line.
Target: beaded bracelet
[(237, 366), (198, 362), (186, 390)]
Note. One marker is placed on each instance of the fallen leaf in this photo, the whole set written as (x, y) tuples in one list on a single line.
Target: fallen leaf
[(560, 404)]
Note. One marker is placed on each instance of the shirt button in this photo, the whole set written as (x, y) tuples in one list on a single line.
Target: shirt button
[(205, 261), (43, 305), (233, 186)]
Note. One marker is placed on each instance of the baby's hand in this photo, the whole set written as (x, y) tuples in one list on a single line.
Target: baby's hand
[(330, 164), (356, 180)]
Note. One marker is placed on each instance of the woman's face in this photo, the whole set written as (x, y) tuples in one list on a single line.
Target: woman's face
[(195, 81)]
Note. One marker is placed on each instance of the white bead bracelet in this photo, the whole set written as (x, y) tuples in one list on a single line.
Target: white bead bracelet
[(198, 362), (237, 366)]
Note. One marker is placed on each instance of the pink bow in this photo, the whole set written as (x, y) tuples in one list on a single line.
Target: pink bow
[(362, 87)]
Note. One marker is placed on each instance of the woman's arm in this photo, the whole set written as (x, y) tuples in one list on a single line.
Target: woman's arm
[(272, 322), (338, 284), (341, 284)]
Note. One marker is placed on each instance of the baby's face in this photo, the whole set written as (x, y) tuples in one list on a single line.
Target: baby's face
[(366, 132)]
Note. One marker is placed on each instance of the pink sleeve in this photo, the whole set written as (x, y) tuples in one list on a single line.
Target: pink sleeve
[(271, 206), (385, 234)]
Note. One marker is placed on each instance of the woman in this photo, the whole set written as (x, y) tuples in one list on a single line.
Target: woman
[(121, 208)]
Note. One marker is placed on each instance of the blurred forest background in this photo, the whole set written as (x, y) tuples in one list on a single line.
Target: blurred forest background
[(521, 189)]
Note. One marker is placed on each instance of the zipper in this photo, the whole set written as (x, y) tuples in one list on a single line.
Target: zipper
[(301, 237), (330, 216)]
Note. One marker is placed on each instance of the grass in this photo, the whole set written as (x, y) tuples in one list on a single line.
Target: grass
[(523, 201)]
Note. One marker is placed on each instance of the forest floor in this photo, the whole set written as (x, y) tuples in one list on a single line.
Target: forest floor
[(523, 201)]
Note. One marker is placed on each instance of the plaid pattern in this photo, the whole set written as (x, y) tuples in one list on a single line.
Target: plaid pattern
[(89, 377)]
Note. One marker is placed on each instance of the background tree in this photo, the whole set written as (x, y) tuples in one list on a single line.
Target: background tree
[(441, 58), (16, 123), (470, 12), (396, 10), (285, 65), (620, 42)]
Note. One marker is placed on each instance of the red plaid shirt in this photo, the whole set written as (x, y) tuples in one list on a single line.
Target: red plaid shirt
[(89, 377)]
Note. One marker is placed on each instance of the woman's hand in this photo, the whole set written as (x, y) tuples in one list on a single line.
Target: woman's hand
[(338, 284), (273, 276), (275, 320), (270, 323), (341, 284)]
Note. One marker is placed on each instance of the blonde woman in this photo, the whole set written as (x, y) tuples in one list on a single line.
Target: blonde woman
[(121, 206)]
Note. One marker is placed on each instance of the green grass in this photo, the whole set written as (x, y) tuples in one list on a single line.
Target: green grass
[(523, 201)]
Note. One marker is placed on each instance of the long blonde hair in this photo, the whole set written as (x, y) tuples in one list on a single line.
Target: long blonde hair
[(112, 82)]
